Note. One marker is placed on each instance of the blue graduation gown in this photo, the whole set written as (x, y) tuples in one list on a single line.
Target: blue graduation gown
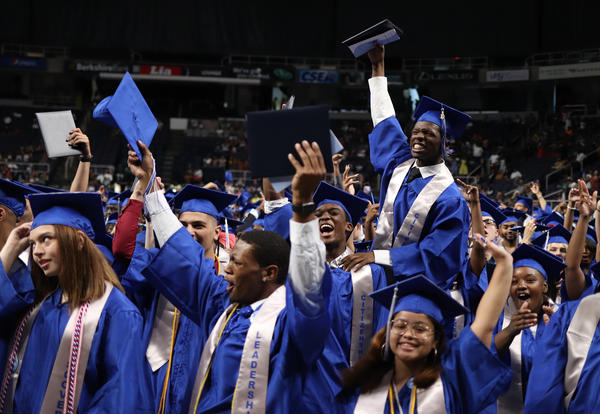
[(591, 286), (278, 221), (116, 378), (442, 247), (546, 389), (298, 339), (188, 341), (472, 377)]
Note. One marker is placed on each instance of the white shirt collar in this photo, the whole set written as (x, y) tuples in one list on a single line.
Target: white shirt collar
[(335, 263), (429, 170)]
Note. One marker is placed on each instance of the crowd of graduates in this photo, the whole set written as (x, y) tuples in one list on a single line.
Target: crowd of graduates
[(319, 298)]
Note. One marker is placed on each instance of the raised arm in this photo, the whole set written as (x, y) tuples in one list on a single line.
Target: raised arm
[(79, 140), (574, 278), (535, 189), (573, 198), (493, 299), (477, 258)]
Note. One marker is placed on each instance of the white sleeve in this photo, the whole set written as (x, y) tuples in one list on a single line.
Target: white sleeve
[(307, 264), (381, 103), (164, 221), (272, 205), (382, 257)]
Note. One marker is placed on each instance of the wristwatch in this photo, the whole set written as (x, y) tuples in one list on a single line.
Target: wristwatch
[(303, 209)]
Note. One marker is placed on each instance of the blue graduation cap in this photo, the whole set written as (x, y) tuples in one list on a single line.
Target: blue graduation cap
[(381, 33), (489, 210), (451, 121), (46, 189), (591, 234), (489, 200), (82, 211), (259, 222), (556, 234), (420, 295), (12, 195), (128, 111), (512, 215), (553, 219), (539, 259), (526, 202), (202, 200), (288, 195), (352, 205)]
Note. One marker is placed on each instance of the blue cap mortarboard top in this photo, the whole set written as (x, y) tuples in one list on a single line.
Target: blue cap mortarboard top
[(170, 195), (556, 234), (202, 200), (128, 111), (12, 195), (526, 201), (553, 219), (544, 262), (420, 295), (489, 210), (112, 218), (489, 200), (591, 234), (352, 205), (82, 211), (431, 110), (512, 215), (46, 189)]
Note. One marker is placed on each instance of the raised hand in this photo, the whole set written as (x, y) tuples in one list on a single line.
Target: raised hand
[(78, 140), (142, 169), (349, 180), (310, 171), (469, 192), (534, 188)]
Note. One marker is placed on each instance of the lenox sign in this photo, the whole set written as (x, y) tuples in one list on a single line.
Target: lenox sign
[(318, 76), (160, 70)]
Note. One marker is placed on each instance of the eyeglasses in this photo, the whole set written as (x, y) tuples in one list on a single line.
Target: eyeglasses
[(489, 222), (418, 329)]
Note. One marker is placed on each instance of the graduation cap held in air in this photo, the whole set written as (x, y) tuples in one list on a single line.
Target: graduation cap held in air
[(202, 200), (127, 110), (273, 134), (381, 33), (452, 122)]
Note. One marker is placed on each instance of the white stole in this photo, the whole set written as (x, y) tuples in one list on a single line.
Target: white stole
[(412, 225), (362, 312), (430, 400), (579, 339), (250, 395), (159, 346)]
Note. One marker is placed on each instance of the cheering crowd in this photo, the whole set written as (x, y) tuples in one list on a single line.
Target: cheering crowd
[(431, 298)]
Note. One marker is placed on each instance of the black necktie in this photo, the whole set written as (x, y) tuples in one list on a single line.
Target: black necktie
[(412, 174)]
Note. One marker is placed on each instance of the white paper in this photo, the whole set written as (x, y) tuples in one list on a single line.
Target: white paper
[(55, 127)]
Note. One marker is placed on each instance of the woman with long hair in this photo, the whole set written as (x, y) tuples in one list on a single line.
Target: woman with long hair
[(77, 348), (409, 368)]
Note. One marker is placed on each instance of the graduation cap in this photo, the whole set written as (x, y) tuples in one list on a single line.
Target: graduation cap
[(112, 218), (489, 200), (451, 121), (591, 234), (353, 206), (202, 200), (273, 134), (382, 33), (526, 202), (556, 234), (553, 219), (512, 215), (489, 210), (82, 211), (538, 228), (363, 246), (259, 222), (419, 295), (128, 111), (46, 189), (12, 195), (539, 259)]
